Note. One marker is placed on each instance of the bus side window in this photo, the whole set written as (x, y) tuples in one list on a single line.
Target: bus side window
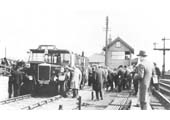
[(59, 59)]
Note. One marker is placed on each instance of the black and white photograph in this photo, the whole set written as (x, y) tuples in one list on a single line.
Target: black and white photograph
[(84, 55)]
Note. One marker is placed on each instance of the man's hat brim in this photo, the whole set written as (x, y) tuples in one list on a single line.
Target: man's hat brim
[(142, 53)]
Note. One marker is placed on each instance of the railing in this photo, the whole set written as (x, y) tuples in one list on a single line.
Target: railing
[(5, 70)]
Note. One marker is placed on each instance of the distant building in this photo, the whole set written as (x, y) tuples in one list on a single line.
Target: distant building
[(97, 58), (119, 53)]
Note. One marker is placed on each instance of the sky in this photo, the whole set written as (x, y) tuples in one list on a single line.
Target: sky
[(79, 25)]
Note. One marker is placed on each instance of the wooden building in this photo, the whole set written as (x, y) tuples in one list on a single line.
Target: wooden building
[(119, 53)]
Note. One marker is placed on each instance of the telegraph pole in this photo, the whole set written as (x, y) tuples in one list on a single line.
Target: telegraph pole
[(106, 52), (162, 49), (5, 52)]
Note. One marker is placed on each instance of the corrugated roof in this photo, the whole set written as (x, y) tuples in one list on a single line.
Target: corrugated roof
[(123, 42)]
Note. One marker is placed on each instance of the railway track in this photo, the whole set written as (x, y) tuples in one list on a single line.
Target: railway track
[(164, 93), (160, 99), (41, 103), (26, 102), (165, 87), (156, 104), (14, 99), (163, 103)]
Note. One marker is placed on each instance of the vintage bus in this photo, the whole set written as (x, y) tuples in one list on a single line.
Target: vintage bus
[(46, 60)]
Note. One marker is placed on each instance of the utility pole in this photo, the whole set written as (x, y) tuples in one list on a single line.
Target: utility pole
[(162, 49), (5, 52), (106, 52)]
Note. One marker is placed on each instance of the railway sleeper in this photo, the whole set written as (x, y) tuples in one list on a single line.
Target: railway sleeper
[(119, 104), (41, 103)]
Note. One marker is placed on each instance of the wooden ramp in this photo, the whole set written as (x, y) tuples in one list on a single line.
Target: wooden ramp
[(120, 102)]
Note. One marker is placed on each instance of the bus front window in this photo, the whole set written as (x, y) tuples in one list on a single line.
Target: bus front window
[(37, 57)]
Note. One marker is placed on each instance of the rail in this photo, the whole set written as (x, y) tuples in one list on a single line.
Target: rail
[(163, 100), (14, 99), (41, 103)]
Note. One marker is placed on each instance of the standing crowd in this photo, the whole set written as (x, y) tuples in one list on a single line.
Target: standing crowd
[(104, 78), (19, 82), (140, 79)]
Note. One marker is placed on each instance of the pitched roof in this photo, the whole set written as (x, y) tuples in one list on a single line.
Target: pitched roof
[(123, 42)]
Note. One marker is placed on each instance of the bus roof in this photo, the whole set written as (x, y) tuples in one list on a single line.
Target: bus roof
[(50, 51), (46, 46)]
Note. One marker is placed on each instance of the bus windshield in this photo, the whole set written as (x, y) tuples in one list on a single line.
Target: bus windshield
[(56, 57), (36, 57)]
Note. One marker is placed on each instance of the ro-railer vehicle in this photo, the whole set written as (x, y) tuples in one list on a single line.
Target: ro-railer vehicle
[(46, 62)]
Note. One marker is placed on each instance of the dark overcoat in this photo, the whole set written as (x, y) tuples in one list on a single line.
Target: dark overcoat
[(99, 79), (18, 79), (93, 77)]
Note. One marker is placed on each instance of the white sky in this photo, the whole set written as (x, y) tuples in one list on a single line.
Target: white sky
[(78, 25)]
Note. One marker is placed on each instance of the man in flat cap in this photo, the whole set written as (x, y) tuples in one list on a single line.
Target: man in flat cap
[(145, 72)]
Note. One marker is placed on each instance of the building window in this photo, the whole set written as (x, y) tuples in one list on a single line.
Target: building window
[(127, 57), (118, 55), (118, 44)]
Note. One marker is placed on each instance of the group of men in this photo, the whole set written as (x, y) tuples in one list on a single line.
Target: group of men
[(101, 78), (141, 76), (69, 78), (18, 79)]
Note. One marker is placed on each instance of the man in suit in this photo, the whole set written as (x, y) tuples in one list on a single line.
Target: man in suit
[(93, 77), (99, 79), (110, 80), (15, 82), (11, 82), (120, 75), (145, 72), (158, 73)]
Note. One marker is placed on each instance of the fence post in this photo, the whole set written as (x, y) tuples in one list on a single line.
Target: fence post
[(79, 102)]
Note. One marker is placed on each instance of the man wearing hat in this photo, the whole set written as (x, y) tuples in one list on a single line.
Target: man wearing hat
[(145, 72), (76, 80)]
